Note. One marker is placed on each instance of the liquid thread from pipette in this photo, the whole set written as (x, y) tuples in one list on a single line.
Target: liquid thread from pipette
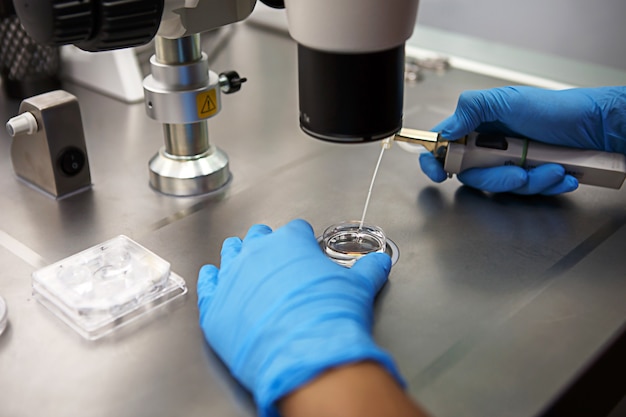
[(386, 144)]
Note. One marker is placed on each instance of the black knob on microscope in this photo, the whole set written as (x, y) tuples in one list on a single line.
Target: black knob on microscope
[(92, 25), (230, 82)]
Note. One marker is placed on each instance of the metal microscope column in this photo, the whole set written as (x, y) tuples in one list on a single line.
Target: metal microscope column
[(182, 93)]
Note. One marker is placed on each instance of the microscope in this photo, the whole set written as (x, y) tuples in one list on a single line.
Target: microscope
[(350, 69)]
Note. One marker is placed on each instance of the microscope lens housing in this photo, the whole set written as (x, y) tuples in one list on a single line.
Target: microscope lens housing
[(351, 66), (350, 97)]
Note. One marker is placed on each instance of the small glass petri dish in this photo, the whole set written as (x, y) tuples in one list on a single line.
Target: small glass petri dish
[(347, 241)]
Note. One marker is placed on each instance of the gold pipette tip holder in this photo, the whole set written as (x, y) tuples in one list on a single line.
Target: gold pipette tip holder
[(429, 140)]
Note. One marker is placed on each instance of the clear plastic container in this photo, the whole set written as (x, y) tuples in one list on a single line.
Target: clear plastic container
[(347, 241), (106, 286)]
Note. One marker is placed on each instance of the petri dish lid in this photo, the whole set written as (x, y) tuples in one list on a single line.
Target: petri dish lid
[(106, 286), (104, 276), (3, 315)]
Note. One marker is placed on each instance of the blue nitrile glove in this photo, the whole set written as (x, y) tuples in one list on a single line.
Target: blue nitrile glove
[(587, 118), (279, 312)]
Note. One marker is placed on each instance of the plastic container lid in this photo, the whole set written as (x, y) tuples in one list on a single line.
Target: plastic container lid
[(106, 286)]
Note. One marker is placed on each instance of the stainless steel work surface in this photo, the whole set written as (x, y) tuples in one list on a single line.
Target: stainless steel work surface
[(495, 304)]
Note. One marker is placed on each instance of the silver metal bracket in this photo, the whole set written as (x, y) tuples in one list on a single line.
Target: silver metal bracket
[(49, 150)]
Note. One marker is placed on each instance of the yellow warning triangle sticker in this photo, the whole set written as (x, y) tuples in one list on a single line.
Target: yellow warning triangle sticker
[(206, 104)]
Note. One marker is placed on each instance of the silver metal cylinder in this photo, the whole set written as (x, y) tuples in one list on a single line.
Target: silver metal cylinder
[(186, 139), (177, 51), (182, 93), (189, 176)]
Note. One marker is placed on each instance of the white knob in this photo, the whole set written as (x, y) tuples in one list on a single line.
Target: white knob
[(23, 123)]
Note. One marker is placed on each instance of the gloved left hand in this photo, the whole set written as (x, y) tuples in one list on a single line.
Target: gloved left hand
[(279, 312)]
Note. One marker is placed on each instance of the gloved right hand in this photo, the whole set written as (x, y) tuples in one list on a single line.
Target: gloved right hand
[(586, 118)]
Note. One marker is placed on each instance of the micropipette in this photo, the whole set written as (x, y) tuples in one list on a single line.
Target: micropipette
[(484, 150)]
